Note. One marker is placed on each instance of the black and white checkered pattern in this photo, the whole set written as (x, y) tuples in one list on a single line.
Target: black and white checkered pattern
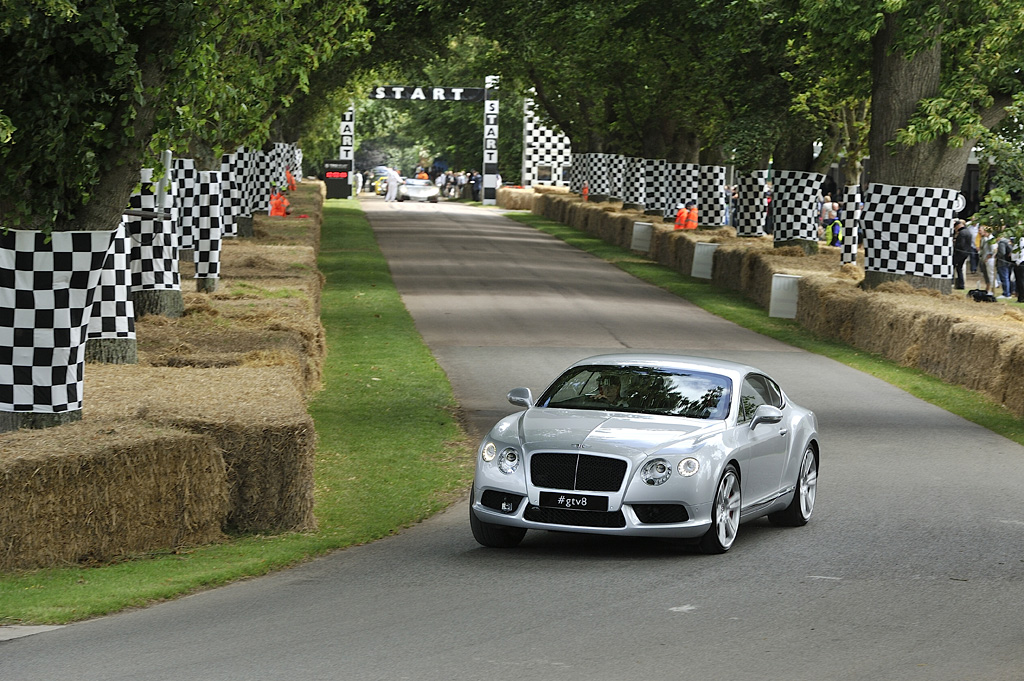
[(616, 176), (598, 175), (909, 230), (113, 313), (711, 204), (154, 242), (260, 177), (47, 287), (543, 146), (185, 200), (681, 184), (851, 223), (578, 172), (208, 224), (794, 209), (656, 185), (633, 180), (232, 205), (751, 210)]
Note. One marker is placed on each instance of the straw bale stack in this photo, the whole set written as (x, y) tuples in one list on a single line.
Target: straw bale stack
[(515, 198), (209, 432), (97, 490), (255, 415)]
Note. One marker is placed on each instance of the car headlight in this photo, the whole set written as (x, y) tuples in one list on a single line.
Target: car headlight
[(488, 452), (508, 462), (688, 466), (656, 472)]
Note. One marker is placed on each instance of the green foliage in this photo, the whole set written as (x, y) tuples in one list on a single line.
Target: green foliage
[(1002, 209)]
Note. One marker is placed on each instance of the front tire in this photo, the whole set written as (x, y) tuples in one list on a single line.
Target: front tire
[(725, 514), (494, 536), (799, 510)]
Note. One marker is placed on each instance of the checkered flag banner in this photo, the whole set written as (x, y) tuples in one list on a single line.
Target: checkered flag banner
[(851, 223), (207, 229), (793, 204), (680, 184), (113, 313), (656, 185), (185, 200), (751, 217), (260, 177), (543, 148), (578, 172), (711, 201), (616, 176), (231, 195), (154, 242), (598, 175), (909, 230), (47, 287), (633, 181)]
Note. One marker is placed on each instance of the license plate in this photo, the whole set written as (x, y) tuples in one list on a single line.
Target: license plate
[(575, 502)]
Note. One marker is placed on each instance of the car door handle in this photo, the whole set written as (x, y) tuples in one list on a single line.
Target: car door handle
[(783, 431)]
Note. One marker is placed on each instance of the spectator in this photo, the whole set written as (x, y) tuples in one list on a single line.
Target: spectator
[(1018, 268), (963, 246), (1004, 265)]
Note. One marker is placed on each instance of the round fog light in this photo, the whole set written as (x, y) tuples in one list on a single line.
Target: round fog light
[(688, 466), (656, 472), (508, 462)]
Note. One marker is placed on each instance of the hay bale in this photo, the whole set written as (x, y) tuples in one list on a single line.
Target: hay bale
[(98, 490), (255, 415)]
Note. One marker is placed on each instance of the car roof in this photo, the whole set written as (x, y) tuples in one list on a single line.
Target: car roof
[(672, 361)]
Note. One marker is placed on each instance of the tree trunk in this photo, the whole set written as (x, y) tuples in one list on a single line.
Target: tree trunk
[(206, 285), (243, 226), (10, 420), (899, 84), (162, 302), (112, 351)]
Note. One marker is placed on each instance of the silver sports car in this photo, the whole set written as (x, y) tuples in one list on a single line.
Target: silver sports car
[(647, 445)]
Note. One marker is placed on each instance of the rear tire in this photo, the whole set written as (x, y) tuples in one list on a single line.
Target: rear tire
[(725, 514), (799, 510), (494, 536)]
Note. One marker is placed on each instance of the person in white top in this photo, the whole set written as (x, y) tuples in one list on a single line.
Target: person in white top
[(394, 179)]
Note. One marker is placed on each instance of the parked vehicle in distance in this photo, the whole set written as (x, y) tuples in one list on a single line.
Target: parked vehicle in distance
[(418, 190), (647, 445)]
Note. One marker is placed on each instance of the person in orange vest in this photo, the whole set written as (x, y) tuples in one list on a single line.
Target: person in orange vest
[(586, 191), (279, 203), (691, 216), (680, 216), (291, 179)]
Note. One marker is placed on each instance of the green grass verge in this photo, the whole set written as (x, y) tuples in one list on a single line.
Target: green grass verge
[(733, 306), (390, 451)]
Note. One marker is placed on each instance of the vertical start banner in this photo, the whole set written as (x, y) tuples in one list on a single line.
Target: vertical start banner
[(490, 170)]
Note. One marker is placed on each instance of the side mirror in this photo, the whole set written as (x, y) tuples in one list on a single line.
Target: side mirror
[(521, 397), (766, 414)]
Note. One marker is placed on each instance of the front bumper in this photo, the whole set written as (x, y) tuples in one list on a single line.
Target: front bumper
[(642, 518)]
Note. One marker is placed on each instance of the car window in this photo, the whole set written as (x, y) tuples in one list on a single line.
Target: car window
[(647, 390), (758, 390)]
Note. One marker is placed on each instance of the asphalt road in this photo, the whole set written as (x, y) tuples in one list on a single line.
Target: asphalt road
[(911, 567)]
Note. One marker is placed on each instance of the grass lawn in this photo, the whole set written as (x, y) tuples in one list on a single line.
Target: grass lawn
[(384, 394)]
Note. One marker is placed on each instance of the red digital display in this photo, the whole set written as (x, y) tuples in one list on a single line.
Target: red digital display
[(336, 175)]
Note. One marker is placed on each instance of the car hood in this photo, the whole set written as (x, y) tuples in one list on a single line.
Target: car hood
[(602, 432)]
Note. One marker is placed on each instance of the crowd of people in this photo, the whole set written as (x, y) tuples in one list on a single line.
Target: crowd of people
[(997, 260)]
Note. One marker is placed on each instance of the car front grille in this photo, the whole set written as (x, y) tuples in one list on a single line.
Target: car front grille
[(561, 516), (577, 472)]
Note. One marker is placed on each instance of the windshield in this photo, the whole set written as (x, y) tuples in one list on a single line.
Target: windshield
[(644, 390)]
